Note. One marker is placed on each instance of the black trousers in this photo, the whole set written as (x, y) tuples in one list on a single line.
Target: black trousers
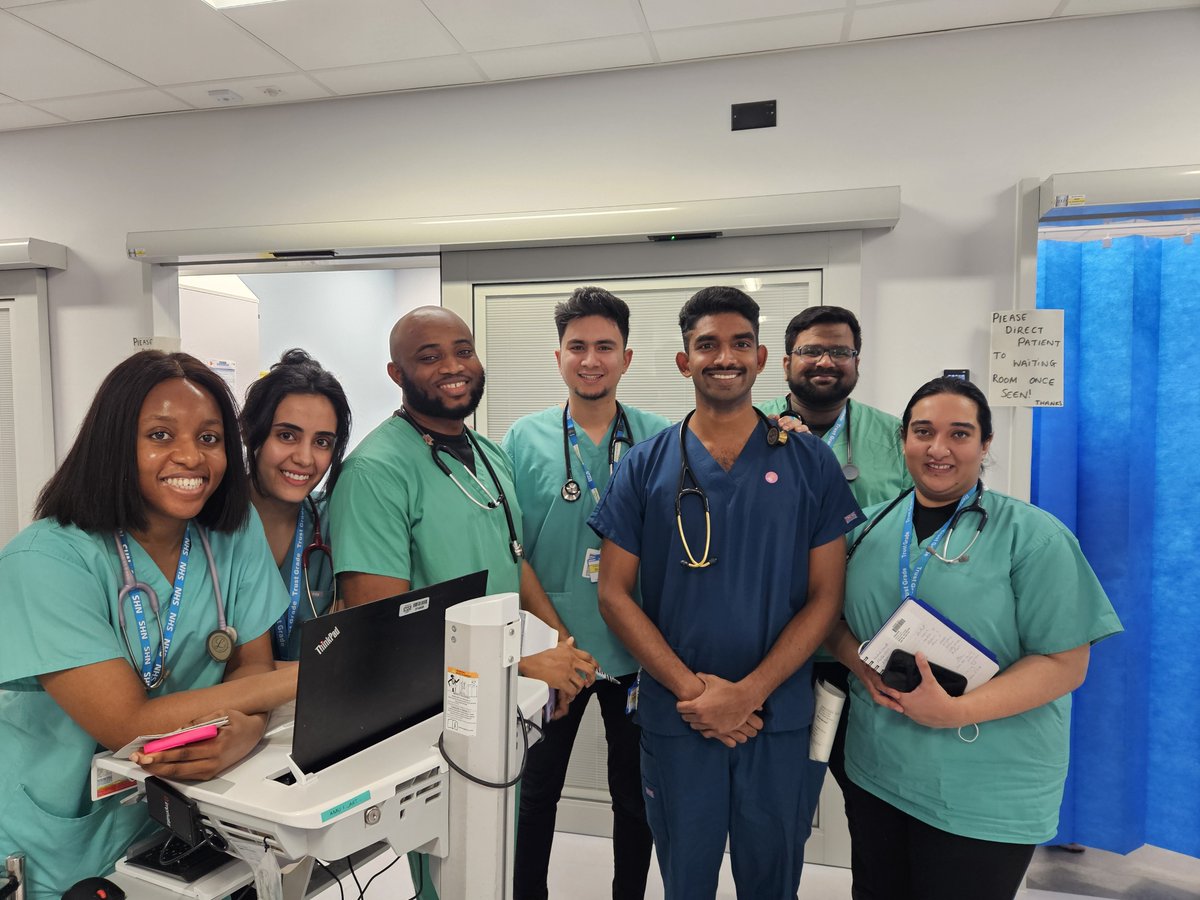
[(543, 783), (897, 857)]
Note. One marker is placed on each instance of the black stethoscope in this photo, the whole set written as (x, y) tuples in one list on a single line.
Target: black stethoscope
[(493, 501), (775, 437), (622, 433), (849, 469), (973, 507)]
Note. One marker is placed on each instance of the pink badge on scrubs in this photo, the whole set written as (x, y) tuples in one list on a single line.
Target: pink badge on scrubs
[(771, 478)]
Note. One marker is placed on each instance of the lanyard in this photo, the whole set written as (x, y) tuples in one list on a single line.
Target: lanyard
[(151, 667), (832, 434), (909, 578), (614, 445), (283, 628)]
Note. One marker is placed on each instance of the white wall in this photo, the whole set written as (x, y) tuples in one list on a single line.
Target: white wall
[(343, 320), (955, 119), (216, 326)]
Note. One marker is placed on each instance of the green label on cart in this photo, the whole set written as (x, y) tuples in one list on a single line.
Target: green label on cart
[(345, 806)]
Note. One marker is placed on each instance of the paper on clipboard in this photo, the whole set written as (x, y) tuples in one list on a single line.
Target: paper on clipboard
[(917, 626)]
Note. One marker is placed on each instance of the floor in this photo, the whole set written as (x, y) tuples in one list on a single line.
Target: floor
[(581, 869)]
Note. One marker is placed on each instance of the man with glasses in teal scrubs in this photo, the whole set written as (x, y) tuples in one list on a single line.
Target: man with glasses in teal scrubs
[(424, 499), (823, 347), (562, 459)]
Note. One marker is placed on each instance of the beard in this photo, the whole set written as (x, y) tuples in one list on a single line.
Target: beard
[(435, 407), (823, 396)]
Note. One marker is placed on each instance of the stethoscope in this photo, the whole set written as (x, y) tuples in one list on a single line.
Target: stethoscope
[(973, 507), (301, 558), (622, 433), (775, 437), (849, 469), (493, 500), (220, 642)]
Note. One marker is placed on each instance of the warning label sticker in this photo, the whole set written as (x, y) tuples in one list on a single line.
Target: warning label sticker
[(462, 701)]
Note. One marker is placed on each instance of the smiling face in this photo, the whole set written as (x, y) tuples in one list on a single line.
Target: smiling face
[(592, 357), (723, 359), (944, 448), (298, 449), (822, 383), (180, 452), (434, 362)]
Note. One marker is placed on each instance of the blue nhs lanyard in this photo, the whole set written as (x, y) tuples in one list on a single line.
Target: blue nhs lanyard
[(283, 628), (832, 434), (911, 577), (153, 664), (618, 436)]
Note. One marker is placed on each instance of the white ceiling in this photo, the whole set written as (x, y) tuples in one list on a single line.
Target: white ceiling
[(79, 60)]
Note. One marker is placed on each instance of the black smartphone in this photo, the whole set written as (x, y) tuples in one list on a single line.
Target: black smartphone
[(901, 674)]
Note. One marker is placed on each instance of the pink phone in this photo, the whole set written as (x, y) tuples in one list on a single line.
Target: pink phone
[(191, 736)]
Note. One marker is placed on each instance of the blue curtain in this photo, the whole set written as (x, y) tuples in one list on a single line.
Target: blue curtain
[(1118, 464)]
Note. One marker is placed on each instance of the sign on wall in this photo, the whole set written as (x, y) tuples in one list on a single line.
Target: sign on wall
[(1026, 358)]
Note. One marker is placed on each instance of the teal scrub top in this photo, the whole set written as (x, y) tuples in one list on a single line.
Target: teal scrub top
[(395, 513), (320, 579), (556, 533), (59, 587), (878, 452), (1025, 589)]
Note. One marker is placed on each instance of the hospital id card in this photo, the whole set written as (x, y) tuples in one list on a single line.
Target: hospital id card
[(591, 565)]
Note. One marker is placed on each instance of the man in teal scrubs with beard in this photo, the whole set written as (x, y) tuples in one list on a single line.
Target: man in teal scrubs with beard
[(562, 459), (400, 521)]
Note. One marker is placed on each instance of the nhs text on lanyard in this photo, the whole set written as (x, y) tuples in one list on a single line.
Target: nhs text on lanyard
[(909, 578), (153, 664), (283, 628)]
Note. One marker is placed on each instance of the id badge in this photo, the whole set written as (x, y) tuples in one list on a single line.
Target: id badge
[(631, 696), (591, 565)]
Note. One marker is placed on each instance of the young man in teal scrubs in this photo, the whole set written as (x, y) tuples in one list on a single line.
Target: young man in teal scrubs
[(562, 459), (737, 539), (400, 521), (823, 346)]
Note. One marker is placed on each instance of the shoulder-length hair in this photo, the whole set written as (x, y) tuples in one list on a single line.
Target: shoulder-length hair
[(96, 487), (295, 373)]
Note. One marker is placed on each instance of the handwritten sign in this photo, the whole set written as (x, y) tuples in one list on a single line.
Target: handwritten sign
[(157, 342), (1026, 358)]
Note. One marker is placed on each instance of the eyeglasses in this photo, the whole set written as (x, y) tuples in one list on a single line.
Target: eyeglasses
[(816, 351)]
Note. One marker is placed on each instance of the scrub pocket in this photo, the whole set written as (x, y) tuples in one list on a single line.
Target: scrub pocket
[(61, 851)]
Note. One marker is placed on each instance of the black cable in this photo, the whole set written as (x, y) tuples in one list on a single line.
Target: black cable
[(362, 893), (525, 726), (329, 872), (354, 875), (10, 888)]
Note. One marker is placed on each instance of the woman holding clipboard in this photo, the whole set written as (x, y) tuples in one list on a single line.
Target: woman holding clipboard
[(950, 794)]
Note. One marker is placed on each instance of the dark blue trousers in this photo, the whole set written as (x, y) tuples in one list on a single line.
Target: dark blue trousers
[(699, 793)]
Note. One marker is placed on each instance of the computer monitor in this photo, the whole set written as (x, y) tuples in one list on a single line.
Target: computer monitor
[(370, 672)]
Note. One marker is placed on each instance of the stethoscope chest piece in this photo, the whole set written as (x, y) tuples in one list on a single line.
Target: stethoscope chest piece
[(220, 643), (776, 435), (571, 491), (850, 471)]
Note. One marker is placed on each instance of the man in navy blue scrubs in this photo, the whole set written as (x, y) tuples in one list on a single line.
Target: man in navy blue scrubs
[(736, 537)]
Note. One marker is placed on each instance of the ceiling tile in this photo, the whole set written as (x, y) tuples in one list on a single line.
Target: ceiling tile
[(522, 23), (34, 64), (9, 4), (112, 106), (253, 91), (17, 115), (1108, 7), (663, 14), (318, 34), (922, 16), (749, 37), (162, 41), (399, 76), (556, 59)]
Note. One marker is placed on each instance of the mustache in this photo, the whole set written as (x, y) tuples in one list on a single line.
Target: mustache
[(827, 373)]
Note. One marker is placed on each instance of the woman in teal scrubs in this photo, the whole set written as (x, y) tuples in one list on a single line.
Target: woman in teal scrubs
[(949, 795), (295, 424), (155, 479)]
